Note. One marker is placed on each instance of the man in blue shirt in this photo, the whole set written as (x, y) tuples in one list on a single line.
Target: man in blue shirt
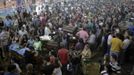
[(8, 22), (14, 46)]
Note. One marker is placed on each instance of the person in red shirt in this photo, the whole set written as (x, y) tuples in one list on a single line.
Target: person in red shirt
[(63, 55)]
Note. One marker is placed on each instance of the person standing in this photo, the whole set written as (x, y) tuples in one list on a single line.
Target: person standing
[(92, 41), (110, 36), (8, 22), (82, 34), (116, 45), (57, 69), (63, 55), (4, 39), (48, 67), (126, 43), (130, 55)]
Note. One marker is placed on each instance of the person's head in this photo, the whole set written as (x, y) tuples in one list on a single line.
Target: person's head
[(7, 17), (92, 32), (84, 28), (86, 46), (12, 61), (57, 64), (37, 38), (47, 58), (22, 28), (29, 67), (24, 45), (16, 39), (11, 68), (81, 40), (62, 45), (119, 35), (127, 37)]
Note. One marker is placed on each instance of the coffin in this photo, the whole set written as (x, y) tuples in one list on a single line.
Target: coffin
[(69, 29)]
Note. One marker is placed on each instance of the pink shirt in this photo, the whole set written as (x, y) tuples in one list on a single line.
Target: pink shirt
[(82, 34)]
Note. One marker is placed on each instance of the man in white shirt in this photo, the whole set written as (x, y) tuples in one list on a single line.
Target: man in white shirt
[(126, 43), (22, 32), (92, 41), (8, 22), (92, 38), (110, 36), (47, 31)]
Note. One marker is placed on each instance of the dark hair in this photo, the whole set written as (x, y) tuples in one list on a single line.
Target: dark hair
[(57, 64), (118, 35), (38, 39), (81, 40), (11, 68), (47, 58), (114, 57)]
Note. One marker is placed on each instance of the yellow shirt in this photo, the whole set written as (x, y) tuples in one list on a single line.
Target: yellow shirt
[(116, 45)]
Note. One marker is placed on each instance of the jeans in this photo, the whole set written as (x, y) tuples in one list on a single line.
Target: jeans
[(114, 53)]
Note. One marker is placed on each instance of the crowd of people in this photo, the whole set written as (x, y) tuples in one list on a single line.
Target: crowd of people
[(78, 27)]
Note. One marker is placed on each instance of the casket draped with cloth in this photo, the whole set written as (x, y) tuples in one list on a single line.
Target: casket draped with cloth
[(48, 42), (70, 29)]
